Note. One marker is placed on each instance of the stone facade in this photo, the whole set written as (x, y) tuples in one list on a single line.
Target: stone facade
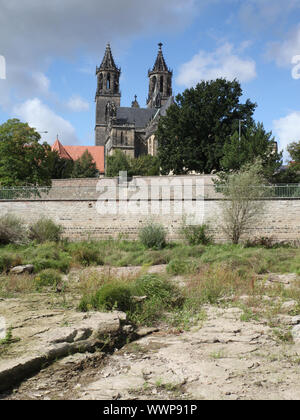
[(128, 129), (75, 205)]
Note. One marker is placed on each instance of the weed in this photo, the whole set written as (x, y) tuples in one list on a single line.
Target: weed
[(153, 235)]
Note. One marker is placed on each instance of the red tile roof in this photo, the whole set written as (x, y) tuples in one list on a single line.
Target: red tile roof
[(75, 152)]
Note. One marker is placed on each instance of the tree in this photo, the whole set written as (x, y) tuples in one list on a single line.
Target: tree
[(116, 163), (85, 167), (291, 173), (192, 135), (254, 143), (145, 165), (243, 205), (61, 168), (294, 151), (23, 160)]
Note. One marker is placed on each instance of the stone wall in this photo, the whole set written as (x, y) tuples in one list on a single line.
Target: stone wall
[(81, 218)]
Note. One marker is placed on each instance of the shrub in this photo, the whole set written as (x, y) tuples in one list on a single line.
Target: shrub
[(45, 230), (110, 296), (178, 267), (263, 241), (196, 234), (153, 235), (48, 255), (162, 296), (49, 278), (12, 230), (8, 261), (86, 254)]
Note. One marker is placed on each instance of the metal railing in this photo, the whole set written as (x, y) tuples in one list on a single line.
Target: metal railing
[(90, 192)]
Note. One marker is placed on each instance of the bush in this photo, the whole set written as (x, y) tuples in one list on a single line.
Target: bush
[(153, 236), (45, 230), (86, 254), (48, 255), (162, 297), (49, 278), (196, 234), (12, 230), (178, 267), (110, 296), (8, 261)]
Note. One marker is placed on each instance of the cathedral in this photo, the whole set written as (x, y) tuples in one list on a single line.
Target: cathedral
[(130, 129)]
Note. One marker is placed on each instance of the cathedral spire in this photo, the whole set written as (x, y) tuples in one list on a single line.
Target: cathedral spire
[(160, 64), (108, 62), (160, 82)]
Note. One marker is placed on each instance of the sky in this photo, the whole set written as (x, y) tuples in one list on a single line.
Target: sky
[(49, 52)]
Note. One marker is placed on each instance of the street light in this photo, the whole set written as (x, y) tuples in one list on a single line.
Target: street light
[(240, 129)]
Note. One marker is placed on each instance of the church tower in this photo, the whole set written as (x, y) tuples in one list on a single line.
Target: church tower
[(160, 82), (108, 94)]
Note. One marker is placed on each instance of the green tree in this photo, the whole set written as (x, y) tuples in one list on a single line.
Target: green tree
[(116, 163), (23, 160), (291, 173), (254, 143), (146, 165), (294, 151), (61, 168), (85, 167), (192, 135)]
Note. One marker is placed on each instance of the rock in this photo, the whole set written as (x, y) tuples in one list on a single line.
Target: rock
[(289, 305), (142, 332), (296, 334), (22, 269), (60, 335), (139, 298)]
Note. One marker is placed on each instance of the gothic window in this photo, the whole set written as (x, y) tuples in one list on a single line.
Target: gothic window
[(161, 83), (153, 84), (108, 82), (169, 86), (101, 82), (122, 139)]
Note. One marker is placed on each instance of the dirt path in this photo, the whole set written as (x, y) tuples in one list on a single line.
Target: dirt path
[(222, 358)]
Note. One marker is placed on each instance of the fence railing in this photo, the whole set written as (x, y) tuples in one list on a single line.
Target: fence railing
[(111, 192)]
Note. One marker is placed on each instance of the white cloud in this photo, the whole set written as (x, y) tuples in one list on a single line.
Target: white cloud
[(287, 129), (284, 51), (77, 104), (221, 63), (41, 117)]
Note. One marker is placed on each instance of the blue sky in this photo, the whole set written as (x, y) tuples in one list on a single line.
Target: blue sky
[(51, 52)]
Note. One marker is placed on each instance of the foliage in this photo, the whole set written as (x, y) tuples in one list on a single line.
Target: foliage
[(116, 163), (196, 234), (146, 165), (85, 167), (178, 266), (254, 143), (45, 230), (8, 261), (12, 230), (294, 151), (86, 253), (23, 160), (48, 277), (192, 135), (61, 168), (108, 297), (153, 235), (243, 190)]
